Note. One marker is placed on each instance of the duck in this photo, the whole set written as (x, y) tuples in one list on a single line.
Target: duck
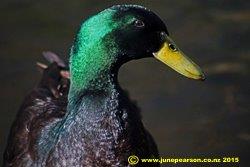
[(81, 116)]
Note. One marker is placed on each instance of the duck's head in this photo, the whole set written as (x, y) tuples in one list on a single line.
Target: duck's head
[(120, 34)]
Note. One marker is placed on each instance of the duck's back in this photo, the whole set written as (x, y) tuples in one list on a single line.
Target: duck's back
[(42, 106)]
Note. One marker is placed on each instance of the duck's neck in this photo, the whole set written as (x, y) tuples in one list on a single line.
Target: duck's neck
[(99, 89), (93, 70), (102, 82), (94, 102)]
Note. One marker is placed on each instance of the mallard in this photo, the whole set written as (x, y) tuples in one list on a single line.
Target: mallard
[(95, 123)]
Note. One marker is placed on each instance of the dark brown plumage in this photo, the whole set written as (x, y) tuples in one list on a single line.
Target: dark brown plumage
[(45, 104)]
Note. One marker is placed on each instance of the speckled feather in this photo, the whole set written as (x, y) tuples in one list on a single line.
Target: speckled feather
[(40, 109)]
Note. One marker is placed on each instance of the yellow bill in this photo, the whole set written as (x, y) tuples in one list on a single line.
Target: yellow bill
[(172, 56)]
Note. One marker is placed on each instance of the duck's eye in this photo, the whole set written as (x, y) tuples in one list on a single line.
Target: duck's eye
[(172, 47), (139, 23)]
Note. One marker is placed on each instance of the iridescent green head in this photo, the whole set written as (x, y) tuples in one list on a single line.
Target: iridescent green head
[(119, 34)]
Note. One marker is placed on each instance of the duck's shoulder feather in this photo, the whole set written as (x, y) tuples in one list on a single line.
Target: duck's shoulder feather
[(42, 106)]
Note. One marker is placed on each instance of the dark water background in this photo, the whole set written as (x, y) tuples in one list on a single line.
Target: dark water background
[(186, 117)]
